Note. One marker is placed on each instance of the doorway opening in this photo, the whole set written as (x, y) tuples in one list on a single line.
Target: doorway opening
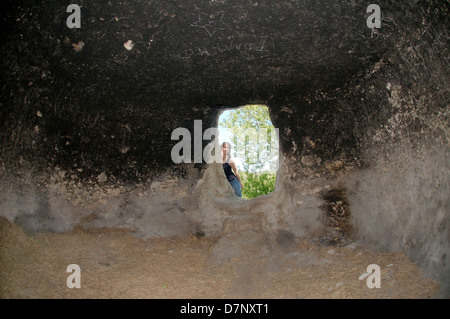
[(254, 147)]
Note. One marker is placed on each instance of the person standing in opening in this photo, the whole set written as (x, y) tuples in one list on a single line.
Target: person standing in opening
[(230, 169)]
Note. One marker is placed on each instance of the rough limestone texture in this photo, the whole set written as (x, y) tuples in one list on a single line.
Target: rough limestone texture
[(87, 115)]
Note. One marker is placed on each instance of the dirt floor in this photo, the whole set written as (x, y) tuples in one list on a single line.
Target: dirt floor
[(116, 264)]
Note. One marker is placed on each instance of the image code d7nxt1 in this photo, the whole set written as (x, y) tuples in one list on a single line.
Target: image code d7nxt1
[(238, 308)]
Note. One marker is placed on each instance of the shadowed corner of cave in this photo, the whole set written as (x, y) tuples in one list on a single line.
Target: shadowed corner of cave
[(87, 117)]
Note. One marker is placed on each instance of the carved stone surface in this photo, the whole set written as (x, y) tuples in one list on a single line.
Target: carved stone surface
[(87, 115)]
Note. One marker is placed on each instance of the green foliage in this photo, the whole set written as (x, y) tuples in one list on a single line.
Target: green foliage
[(257, 184), (247, 117)]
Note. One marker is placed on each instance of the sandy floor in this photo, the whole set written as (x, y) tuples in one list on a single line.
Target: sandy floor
[(116, 264)]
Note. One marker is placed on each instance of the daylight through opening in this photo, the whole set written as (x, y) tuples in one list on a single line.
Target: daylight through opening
[(253, 145)]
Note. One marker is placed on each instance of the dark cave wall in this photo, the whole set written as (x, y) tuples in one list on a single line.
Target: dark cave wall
[(106, 109), (187, 56), (85, 135)]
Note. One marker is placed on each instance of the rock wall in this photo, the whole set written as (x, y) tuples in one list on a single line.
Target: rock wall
[(87, 116)]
